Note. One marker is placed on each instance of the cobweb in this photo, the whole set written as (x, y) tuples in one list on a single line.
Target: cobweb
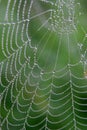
[(43, 65)]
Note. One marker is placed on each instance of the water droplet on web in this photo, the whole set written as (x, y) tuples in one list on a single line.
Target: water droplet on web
[(80, 45)]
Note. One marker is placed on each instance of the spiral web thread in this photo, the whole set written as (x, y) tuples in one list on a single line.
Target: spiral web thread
[(43, 86)]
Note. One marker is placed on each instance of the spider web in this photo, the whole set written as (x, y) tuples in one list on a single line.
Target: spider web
[(43, 65)]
